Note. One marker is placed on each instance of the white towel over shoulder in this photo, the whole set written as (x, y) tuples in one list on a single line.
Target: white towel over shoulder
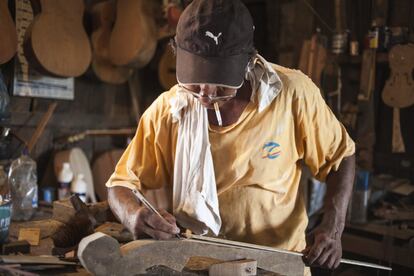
[(195, 201)]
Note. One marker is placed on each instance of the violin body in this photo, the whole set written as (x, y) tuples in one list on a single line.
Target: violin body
[(399, 88)]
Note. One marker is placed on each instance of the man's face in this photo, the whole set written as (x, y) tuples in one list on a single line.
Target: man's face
[(209, 94)]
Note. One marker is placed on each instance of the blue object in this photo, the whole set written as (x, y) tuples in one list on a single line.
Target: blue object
[(362, 180), (49, 194), (5, 215)]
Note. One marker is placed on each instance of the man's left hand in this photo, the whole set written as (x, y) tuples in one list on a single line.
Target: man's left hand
[(325, 251)]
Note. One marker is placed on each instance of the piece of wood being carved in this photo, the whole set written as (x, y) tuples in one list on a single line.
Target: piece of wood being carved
[(101, 254)]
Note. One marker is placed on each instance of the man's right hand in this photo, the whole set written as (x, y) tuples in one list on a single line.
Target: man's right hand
[(140, 220), (148, 223)]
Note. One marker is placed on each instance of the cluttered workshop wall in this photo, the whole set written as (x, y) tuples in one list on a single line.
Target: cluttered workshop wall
[(90, 96)]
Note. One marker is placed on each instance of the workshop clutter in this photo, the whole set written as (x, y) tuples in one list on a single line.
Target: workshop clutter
[(23, 185), (5, 202)]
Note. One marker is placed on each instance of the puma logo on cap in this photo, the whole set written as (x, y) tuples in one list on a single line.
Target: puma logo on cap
[(210, 34)]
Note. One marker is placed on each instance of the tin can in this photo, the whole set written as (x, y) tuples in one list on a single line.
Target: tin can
[(5, 215)]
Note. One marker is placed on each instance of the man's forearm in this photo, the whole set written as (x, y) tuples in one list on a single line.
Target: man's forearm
[(124, 205), (339, 188)]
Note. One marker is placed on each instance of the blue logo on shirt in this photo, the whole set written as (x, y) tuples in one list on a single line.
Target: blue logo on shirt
[(271, 150)]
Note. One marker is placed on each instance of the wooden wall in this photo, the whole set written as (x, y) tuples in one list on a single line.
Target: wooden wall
[(281, 27)]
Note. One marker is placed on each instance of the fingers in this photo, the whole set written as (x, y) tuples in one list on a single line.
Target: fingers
[(156, 234), (324, 252), (315, 251), (156, 227), (170, 218)]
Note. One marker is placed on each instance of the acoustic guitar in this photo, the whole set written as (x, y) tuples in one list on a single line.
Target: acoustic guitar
[(8, 35), (313, 58), (103, 15), (134, 36), (399, 88), (56, 43), (166, 68)]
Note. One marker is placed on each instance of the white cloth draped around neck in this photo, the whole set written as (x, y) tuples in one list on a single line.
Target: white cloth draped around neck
[(195, 200)]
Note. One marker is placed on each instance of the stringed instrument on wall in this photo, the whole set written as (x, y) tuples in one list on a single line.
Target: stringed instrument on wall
[(166, 68), (313, 58), (134, 36), (8, 34), (399, 88), (103, 15), (56, 43)]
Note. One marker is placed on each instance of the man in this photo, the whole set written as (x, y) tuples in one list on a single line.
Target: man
[(260, 121)]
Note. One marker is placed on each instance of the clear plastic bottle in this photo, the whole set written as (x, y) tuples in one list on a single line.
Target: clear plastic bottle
[(23, 186), (65, 177), (5, 204)]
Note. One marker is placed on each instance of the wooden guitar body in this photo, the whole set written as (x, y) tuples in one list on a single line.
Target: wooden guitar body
[(399, 88), (8, 35), (56, 42), (134, 37), (166, 69), (104, 18)]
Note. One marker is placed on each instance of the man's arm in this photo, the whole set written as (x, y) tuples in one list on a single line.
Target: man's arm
[(326, 249), (140, 220)]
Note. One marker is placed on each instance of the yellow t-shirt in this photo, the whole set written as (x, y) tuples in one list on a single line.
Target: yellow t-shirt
[(256, 160)]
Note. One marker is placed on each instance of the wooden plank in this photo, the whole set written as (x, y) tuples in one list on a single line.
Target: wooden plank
[(135, 257)]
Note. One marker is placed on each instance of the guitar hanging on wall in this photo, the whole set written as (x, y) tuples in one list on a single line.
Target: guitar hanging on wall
[(8, 35), (103, 15), (166, 68), (56, 43), (399, 88), (134, 36)]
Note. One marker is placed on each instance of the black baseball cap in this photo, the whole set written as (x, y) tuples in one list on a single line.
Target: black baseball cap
[(214, 42)]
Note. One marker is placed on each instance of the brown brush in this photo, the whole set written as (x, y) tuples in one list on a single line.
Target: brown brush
[(79, 226)]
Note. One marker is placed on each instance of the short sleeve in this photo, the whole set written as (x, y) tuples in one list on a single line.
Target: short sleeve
[(147, 161), (323, 140)]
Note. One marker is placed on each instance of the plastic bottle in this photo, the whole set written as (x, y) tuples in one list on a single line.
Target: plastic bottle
[(79, 187), (23, 187), (5, 204), (65, 177)]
